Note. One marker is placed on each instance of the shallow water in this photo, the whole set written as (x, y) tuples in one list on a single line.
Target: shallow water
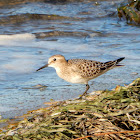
[(33, 31)]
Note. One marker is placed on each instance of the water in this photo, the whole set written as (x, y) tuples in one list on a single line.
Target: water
[(30, 32)]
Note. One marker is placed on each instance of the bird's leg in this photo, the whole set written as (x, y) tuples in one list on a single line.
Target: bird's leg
[(87, 88)]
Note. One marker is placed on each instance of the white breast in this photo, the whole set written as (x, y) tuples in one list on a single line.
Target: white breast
[(70, 76)]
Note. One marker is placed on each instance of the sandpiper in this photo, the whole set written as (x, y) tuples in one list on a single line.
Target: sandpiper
[(80, 70)]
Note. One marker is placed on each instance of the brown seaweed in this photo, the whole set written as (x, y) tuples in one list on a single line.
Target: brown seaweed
[(130, 11), (105, 115)]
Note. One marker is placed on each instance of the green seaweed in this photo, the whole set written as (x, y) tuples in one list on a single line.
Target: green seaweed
[(130, 11), (115, 110)]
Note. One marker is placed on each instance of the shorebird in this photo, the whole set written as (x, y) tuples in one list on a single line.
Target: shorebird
[(79, 70)]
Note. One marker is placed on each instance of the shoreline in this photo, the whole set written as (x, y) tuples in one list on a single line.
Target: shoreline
[(109, 112)]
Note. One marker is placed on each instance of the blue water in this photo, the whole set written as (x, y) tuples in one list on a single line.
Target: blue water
[(87, 31)]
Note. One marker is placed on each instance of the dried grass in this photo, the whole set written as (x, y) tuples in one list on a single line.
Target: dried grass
[(108, 115)]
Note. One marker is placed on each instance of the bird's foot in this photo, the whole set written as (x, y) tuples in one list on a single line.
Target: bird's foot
[(83, 95), (87, 88)]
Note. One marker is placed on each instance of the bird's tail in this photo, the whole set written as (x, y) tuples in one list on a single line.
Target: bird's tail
[(111, 64)]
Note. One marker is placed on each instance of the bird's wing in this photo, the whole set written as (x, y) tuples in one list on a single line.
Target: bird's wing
[(87, 68), (92, 69)]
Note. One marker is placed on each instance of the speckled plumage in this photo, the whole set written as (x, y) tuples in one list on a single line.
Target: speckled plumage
[(87, 68), (79, 70)]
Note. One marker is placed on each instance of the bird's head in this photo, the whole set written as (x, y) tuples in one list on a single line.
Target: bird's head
[(54, 61)]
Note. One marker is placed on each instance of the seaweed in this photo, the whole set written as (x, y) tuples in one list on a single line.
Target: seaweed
[(130, 11), (105, 115)]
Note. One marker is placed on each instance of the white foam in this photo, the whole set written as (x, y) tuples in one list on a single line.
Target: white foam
[(28, 40), (15, 39)]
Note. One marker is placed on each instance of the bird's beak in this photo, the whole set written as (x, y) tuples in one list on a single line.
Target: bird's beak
[(42, 67)]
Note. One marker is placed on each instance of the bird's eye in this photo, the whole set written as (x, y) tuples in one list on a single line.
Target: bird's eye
[(54, 59)]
